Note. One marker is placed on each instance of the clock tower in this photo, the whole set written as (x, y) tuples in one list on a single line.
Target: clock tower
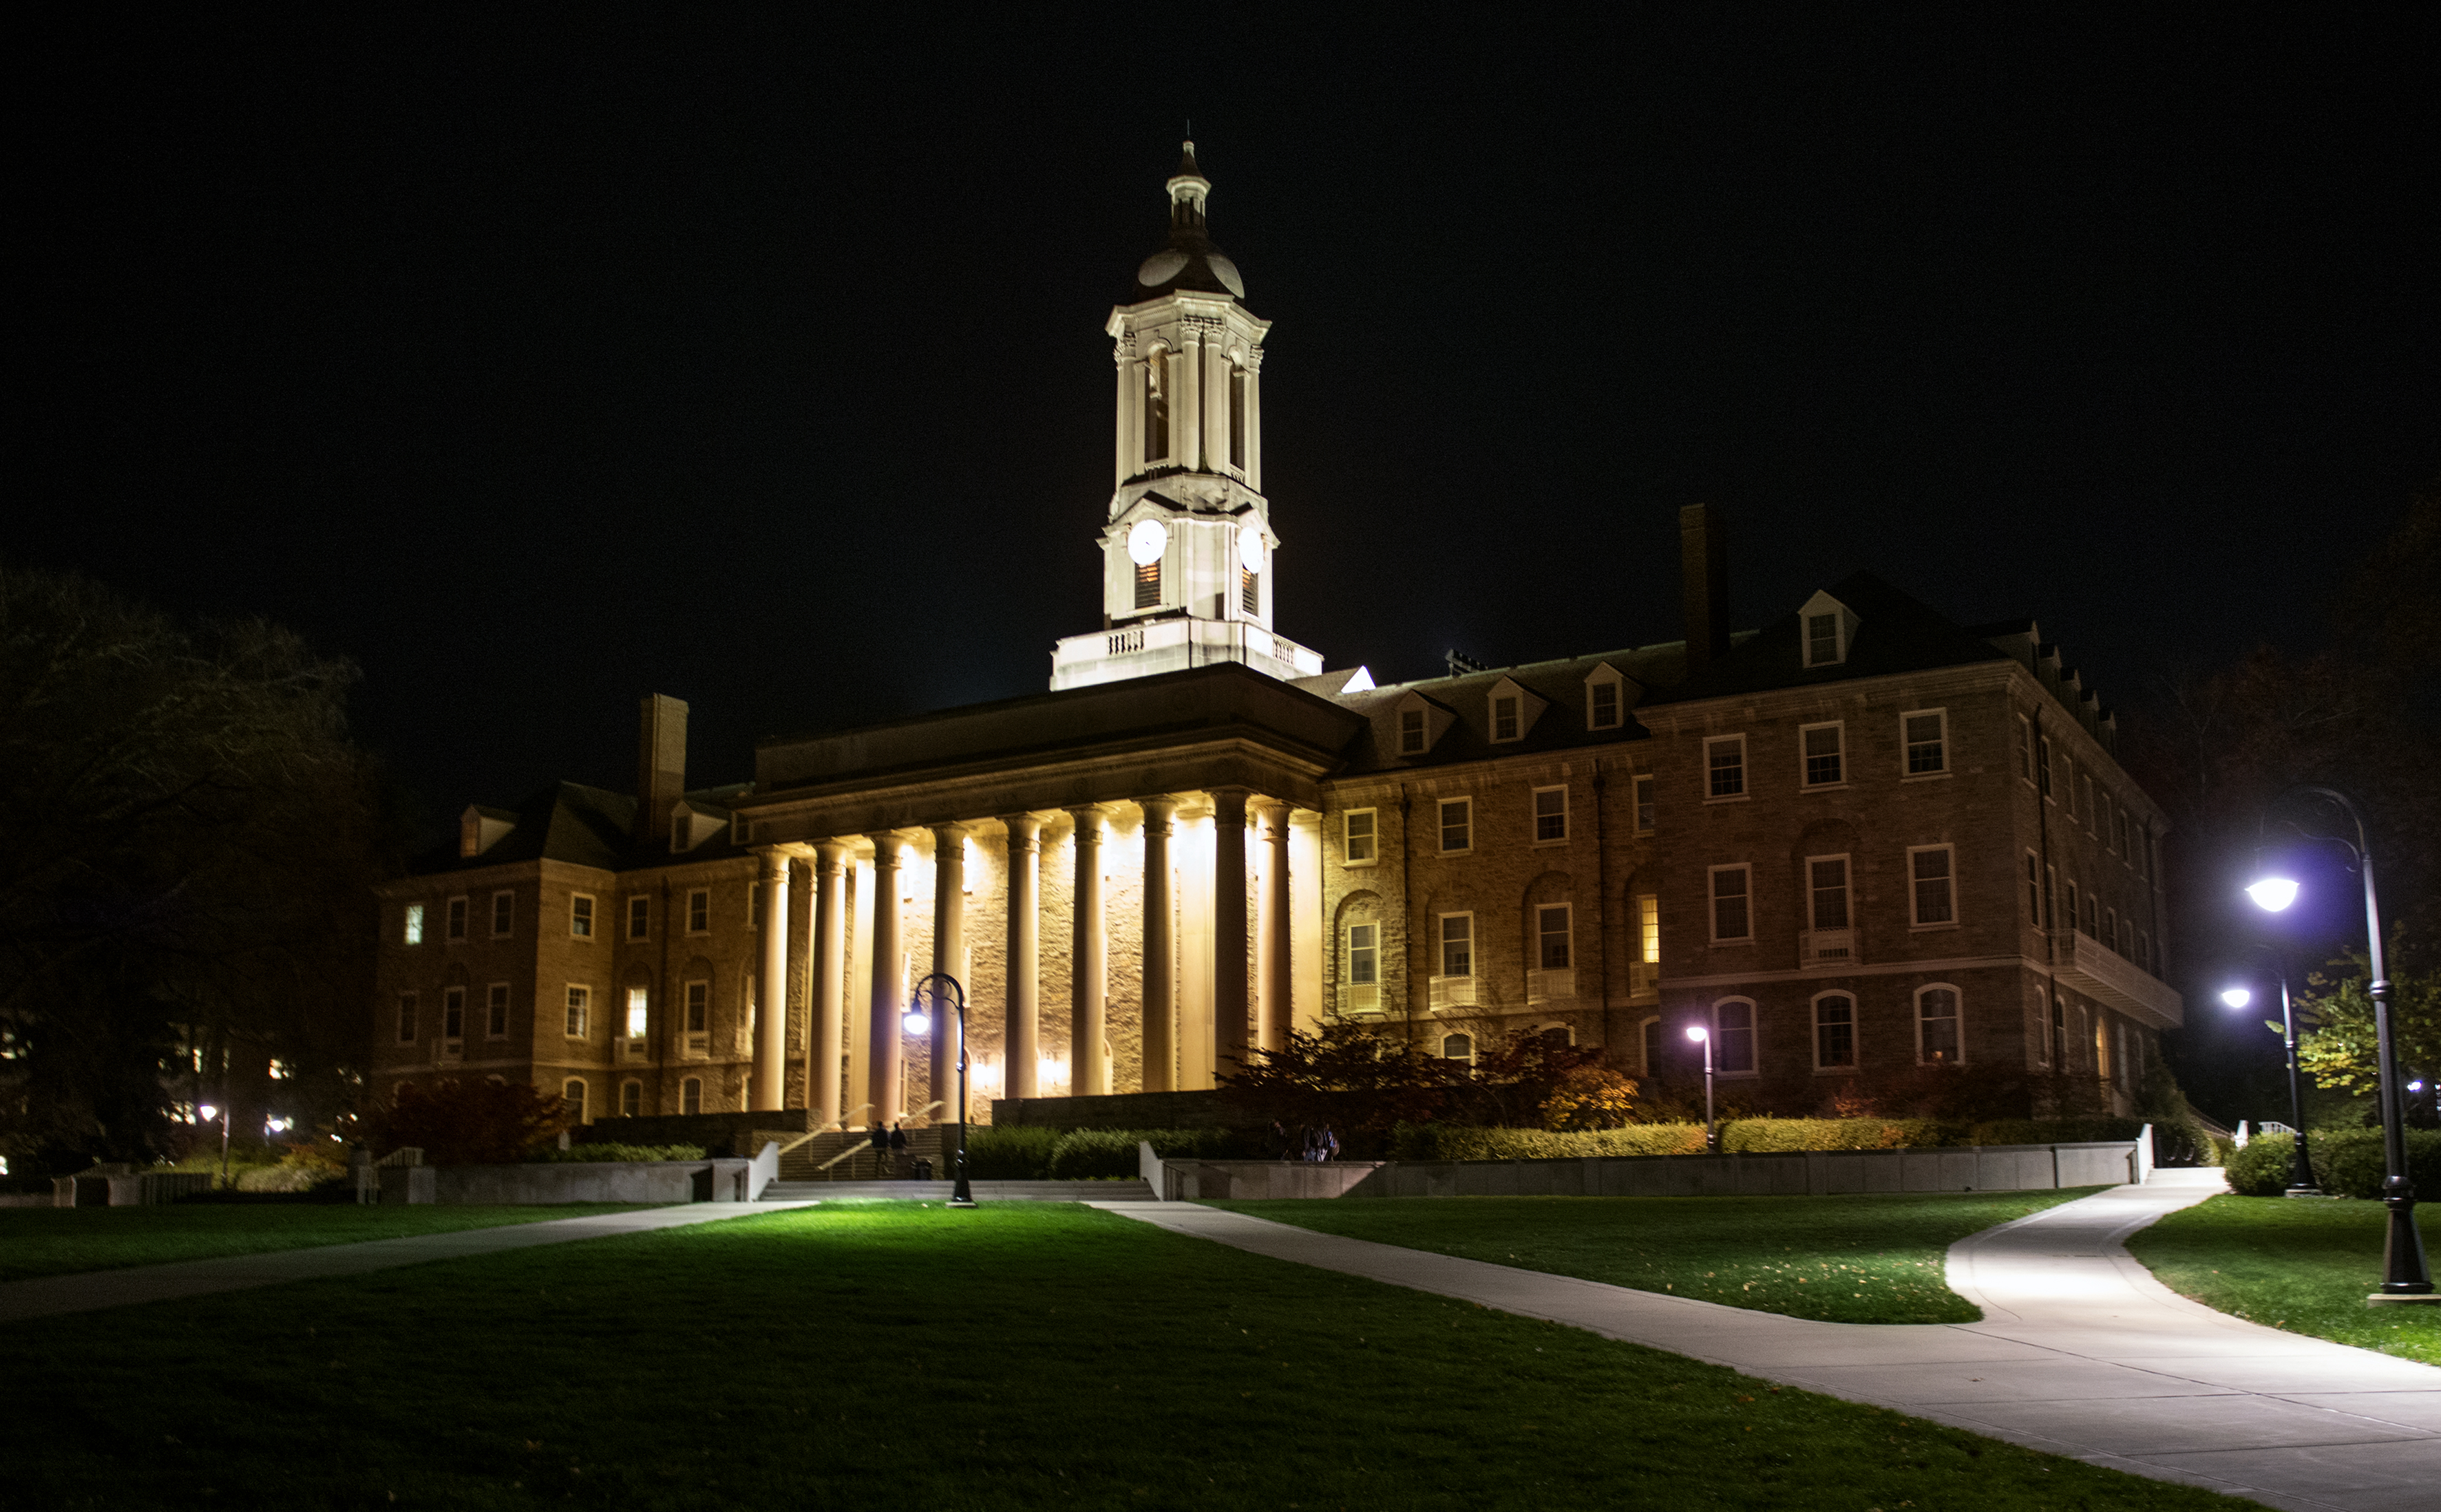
[(1187, 549)]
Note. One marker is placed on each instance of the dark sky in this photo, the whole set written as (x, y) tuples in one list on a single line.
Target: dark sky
[(537, 368)]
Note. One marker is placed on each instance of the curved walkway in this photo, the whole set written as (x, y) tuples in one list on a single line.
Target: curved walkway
[(2080, 1353)]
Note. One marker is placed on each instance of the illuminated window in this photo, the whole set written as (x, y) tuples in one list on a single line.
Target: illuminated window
[(1834, 1031), (573, 1093), (1457, 945), (1724, 761), (1825, 760), (1647, 928), (1360, 836), (1936, 1022), (580, 915), (637, 1015), (1250, 591), (639, 917), (1364, 955), (580, 1002), (1731, 918), (453, 1014), (1926, 734), (1551, 936), (457, 916), (1550, 814), (700, 912), (504, 915), (405, 1019), (1733, 1036), (1457, 825), (496, 1011), (1645, 805), (1935, 901), (691, 1095), (1411, 731), (1149, 584), (1827, 891), (413, 931)]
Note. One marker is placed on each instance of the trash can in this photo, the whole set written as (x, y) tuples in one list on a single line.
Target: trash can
[(923, 1170)]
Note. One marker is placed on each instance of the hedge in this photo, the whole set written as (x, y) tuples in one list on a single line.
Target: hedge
[(579, 1153), (1443, 1142), (1091, 1154), (2347, 1163), (1758, 1136), (1747, 1136), (1014, 1153), (2260, 1169)]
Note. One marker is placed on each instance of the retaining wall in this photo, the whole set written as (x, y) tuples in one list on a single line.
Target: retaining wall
[(658, 1182)]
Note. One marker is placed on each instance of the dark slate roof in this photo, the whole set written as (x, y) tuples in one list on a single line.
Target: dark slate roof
[(1188, 261), (585, 826), (1468, 699), (1894, 634)]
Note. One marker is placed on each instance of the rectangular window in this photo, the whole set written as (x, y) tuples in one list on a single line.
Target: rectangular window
[(691, 1095), (1601, 708), (1156, 407), (1364, 955), (580, 1002), (754, 904), (1645, 805), (2025, 747), (1149, 584), (1733, 1037), (700, 912), (1647, 928), (1504, 717), (1731, 919), (631, 1099), (1550, 814), (1238, 421), (1936, 1018), (1926, 734), (639, 917), (2084, 791), (1360, 837), (2043, 766), (1827, 887), (1825, 761), (496, 1011), (2144, 948), (1411, 733), (2072, 906), (580, 915), (2092, 915), (2109, 824), (1821, 640), (453, 1014), (2033, 892), (1835, 1033), (1457, 945), (405, 1018), (1250, 591), (639, 1017), (1724, 760), (413, 931), (698, 1007), (1457, 825), (504, 915), (1928, 870), (2068, 784), (457, 920), (1552, 934)]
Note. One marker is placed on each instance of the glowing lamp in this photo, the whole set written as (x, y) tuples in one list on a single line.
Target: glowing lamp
[(1695, 1032), (2272, 894), (2236, 996), (208, 1111), (917, 1022)]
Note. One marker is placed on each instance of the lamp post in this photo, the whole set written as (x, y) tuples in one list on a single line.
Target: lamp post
[(919, 1021), (2301, 1170), (2405, 1276), (1711, 1135), (208, 1111)]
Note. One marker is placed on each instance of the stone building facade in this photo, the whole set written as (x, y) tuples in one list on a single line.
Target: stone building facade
[(1858, 839)]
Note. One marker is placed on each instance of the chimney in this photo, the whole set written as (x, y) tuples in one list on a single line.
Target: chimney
[(1704, 584), (660, 765)]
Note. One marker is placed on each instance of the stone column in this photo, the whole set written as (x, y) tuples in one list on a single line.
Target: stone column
[(1229, 994), (1160, 948), (769, 1087), (1120, 427), (830, 982), (885, 1059), (1022, 1042), (1255, 419), (1186, 400), (1271, 949), (1216, 405), (1089, 1070), (949, 959)]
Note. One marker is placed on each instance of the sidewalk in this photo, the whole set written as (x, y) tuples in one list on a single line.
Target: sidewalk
[(2081, 1353), (92, 1291)]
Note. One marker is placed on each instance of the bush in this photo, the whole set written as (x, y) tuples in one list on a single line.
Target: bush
[(464, 1122), (2094, 1130), (1012, 1154), (1443, 1142), (2349, 1162), (1757, 1136), (1108, 1154), (2260, 1169), (578, 1154)]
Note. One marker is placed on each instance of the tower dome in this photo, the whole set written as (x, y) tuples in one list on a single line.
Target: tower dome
[(1189, 263)]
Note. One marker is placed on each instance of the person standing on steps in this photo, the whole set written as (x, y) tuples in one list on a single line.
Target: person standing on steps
[(897, 1149), (879, 1139)]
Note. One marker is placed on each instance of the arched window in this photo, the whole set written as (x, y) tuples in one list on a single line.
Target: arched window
[(691, 1095), (1733, 1034), (1237, 416), (574, 1094), (1156, 405), (1834, 1031), (1458, 1047), (631, 1099), (1937, 1042)]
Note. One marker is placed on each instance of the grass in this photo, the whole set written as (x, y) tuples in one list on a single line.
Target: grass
[(1021, 1355), (56, 1241), (2303, 1265), (1869, 1259)]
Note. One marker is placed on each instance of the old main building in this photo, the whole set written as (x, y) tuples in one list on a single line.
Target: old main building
[(1859, 839)]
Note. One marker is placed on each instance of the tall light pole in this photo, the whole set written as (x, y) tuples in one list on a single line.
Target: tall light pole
[(2301, 1170), (1711, 1135), (931, 988), (208, 1110), (2405, 1276)]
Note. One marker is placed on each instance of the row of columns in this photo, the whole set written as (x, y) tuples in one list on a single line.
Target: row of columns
[(1200, 376), (1089, 987)]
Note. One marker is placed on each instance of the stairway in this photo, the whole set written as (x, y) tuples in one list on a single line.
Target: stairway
[(806, 1161), (1133, 1190)]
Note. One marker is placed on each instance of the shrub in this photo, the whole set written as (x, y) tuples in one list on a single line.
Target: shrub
[(578, 1154), (1756, 1136), (1010, 1154), (304, 1167), (1105, 1154), (2055, 1130), (2261, 1169), (466, 1122), (2349, 1162), (1443, 1142)]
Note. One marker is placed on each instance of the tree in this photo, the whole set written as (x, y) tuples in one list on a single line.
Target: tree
[(2340, 1052), (462, 1123), (187, 842)]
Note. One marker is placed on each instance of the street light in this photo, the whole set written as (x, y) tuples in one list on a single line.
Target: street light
[(1711, 1135), (2301, 1171), (917, 1022), (2405, 1276), (208, 1111)]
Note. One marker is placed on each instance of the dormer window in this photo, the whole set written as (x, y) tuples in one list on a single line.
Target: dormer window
[(1504, 718), (1605, 699), (1827, 626), (1411, 733), (1514, 710), (480, 828)]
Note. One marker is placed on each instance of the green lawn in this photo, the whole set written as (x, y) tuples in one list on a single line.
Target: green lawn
[(2293, 1264), (1021, 1355), (1873, 1259), (55, 1241)]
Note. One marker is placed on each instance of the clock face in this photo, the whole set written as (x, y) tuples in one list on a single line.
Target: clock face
[(1250, 548), (1147, 540)]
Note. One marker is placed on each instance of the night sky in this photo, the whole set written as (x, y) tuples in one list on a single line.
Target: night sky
[(539, 368)]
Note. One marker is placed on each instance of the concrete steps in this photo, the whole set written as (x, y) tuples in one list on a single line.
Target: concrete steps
[(805, 1162), (1128, 1191)]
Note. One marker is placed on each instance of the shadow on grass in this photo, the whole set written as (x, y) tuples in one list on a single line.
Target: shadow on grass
[(61, 1241), (2295, 1264)]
